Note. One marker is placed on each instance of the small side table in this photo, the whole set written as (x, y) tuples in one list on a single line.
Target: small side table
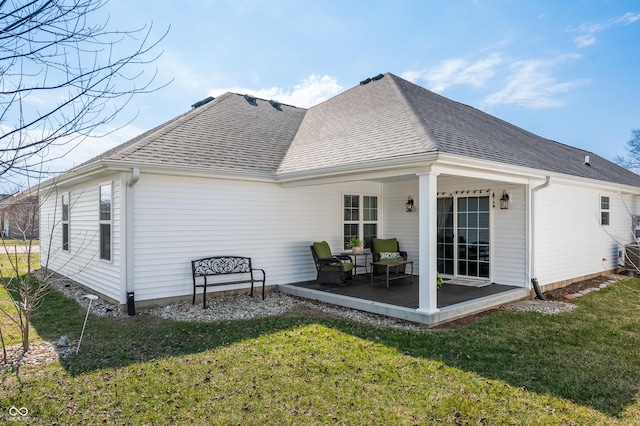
[(392, 263), (366, 253)]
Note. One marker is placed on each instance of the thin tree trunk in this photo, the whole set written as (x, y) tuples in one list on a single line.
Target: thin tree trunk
[(4, 348), (25, 333)]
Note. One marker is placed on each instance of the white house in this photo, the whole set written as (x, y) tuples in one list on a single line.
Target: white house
[(251, 177)]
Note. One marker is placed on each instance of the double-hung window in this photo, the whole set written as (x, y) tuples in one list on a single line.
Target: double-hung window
[(105, 221), (604, 210), (360, 218), (65, 221)]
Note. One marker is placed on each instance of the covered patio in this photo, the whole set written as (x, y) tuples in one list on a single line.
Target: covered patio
[(401, 301)]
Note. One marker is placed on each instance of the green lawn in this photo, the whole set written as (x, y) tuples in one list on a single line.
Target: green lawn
[(10, 242), (581, 368)]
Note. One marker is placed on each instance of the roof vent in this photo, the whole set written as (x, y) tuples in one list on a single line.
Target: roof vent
[(202, 102), (369, 80), (251, 100), (276, 105), (586, 160)]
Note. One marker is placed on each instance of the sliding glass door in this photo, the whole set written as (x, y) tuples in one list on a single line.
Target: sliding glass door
[(463, 236), (446, 241)]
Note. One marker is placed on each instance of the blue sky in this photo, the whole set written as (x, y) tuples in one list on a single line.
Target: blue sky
[(566, 70)]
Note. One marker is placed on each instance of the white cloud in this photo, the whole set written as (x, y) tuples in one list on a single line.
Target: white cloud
[(311, 91), (457, 71), (628, 18), (412, 76), (531, 84), (587, 32), (176, 69)]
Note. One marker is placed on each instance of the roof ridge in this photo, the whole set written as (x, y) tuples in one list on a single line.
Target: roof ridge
[(412, 108)]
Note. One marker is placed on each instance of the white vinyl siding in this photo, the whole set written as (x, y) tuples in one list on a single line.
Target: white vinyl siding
[(569, 240), (509, 237), (207, 217), (397, 222), (82, 264)]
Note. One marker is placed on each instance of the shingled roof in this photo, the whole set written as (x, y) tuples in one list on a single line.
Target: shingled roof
[(233, 133), (382, 118), (388, 117)]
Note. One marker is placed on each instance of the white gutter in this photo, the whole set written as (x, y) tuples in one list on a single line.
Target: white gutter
[(131, 182), (135, 176), (532, 220)]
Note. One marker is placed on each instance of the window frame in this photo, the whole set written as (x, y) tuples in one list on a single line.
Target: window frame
[(364, 209), (105, 253), (66, 214), (605, 210)]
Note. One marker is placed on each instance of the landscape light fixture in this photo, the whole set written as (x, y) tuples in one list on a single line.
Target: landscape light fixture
[(91, 298)]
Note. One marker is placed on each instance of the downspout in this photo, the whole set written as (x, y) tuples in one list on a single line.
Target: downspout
[(135, 176), (534, 280)]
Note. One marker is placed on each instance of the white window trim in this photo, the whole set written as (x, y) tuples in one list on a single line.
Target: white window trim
[(105, 222), (608, 210), (66, 221), (361, 222)]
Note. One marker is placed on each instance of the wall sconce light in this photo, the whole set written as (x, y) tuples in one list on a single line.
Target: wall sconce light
[(409, 204), (504, 201)]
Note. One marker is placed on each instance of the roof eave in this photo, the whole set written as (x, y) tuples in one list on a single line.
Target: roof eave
[(519, 172), (190, 171), (357, 171)]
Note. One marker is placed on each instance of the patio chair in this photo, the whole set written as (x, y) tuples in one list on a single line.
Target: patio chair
[(332, 269), (386, 248)]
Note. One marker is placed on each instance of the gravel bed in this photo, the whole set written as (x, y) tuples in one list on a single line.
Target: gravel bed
[(541, 306)]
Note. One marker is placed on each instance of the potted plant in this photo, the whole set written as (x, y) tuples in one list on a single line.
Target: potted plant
[(439, 280), (355, 244)]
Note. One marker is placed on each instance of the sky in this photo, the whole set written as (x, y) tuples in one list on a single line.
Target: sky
[(565, 70)]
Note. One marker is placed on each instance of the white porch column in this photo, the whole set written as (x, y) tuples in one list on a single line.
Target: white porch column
[(427, 243)]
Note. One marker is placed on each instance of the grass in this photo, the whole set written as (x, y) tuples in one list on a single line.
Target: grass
[(509, 368), (10, 331), (10, 242)]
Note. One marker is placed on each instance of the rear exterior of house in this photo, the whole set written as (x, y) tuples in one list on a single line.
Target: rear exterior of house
[(248, 177)]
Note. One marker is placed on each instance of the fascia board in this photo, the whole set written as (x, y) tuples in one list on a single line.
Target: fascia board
[(383, 167), (460, 165), (103, 168), (184, 171), (72, 177)]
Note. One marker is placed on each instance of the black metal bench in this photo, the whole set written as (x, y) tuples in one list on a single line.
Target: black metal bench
[(223, 265)]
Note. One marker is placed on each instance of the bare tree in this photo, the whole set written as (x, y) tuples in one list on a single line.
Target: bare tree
[(25, 291), (64, 76), (632, 159), (53, 53)]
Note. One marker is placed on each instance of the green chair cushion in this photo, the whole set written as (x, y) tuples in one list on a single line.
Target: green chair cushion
[(335, 267), (346, 267), (385, 245), (322, 249)]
